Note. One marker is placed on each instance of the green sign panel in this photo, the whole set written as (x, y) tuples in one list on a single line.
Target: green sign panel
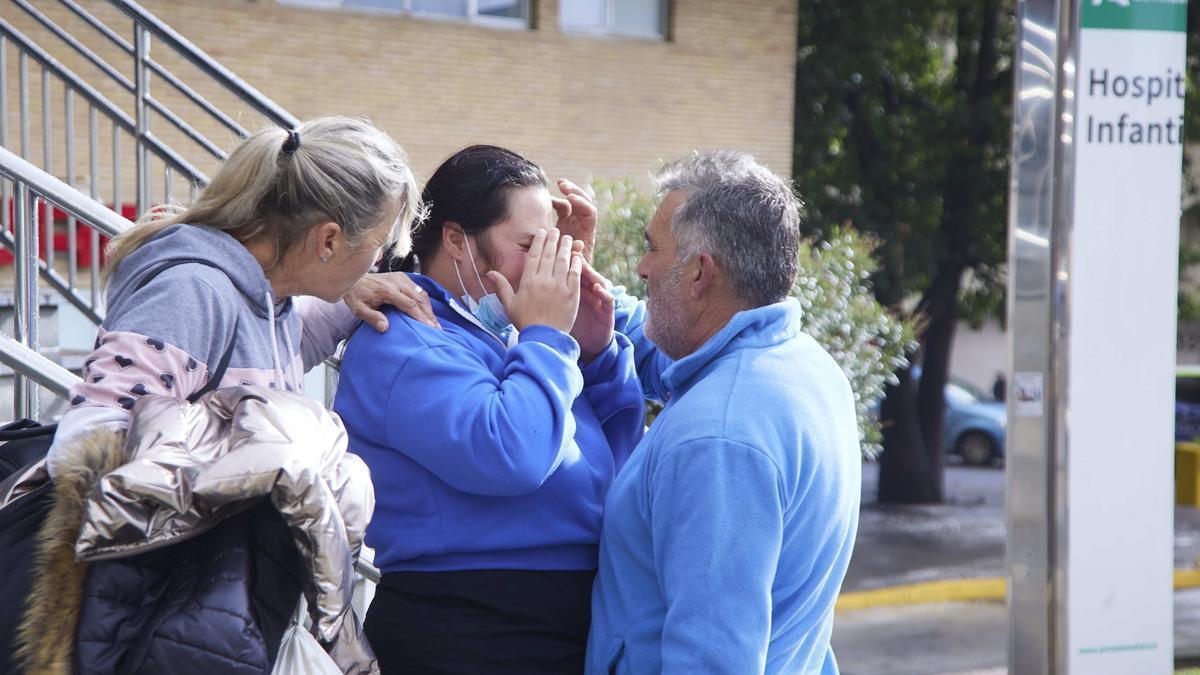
[(1170, 15)]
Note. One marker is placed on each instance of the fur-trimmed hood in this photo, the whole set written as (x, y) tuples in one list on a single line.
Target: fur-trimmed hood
[(181, 469)]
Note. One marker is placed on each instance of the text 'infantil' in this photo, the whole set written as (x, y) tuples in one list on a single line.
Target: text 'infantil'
[(1145, 90)]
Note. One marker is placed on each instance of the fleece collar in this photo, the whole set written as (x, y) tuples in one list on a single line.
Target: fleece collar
[(749, 329)]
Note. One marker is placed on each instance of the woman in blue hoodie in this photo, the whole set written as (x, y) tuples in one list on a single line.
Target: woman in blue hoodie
[(491, 442)]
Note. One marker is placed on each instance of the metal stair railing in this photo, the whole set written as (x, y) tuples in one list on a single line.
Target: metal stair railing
[(132, 120), (118, 106), (33, 186)]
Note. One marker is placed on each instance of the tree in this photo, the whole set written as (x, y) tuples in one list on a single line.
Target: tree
[(833, 288), (902, 130), (1189, 255)]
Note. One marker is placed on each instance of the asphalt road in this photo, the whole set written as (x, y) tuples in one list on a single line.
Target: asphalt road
[(960, 539)]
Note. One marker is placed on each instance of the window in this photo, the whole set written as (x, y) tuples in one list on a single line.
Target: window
[(639, 18), (515, 12)]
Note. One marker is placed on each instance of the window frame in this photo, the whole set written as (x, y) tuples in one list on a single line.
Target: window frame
[(664, 13), (472, 16)]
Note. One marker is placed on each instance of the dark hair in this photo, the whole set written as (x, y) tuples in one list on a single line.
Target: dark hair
[(470, 188)]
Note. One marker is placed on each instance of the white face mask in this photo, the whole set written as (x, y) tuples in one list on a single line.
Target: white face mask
[(488, 310)]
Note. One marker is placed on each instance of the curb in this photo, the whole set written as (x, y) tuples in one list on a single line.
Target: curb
[(986, 589)]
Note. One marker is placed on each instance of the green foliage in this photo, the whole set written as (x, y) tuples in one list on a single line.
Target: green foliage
[(1189, 299), (983, 296), (624, 211), (1189, 255), (1191, 109), (841, 313), (833, 287), (902, 131)]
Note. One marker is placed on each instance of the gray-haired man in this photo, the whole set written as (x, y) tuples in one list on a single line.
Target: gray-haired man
[(727, 534)]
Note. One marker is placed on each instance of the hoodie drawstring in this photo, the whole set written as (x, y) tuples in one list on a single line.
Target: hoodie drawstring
[(287, 340), (274, 342)]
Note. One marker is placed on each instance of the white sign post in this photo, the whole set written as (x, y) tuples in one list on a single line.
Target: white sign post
[(1124, 250), (1106, 256)]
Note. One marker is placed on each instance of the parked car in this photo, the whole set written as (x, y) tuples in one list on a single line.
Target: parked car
[(974, 426), (1187, 403)]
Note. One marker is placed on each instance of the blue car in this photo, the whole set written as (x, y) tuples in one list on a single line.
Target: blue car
[(974, 426), (1187, 403)]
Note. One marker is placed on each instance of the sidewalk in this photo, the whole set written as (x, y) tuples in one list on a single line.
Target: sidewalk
[(960, 542)]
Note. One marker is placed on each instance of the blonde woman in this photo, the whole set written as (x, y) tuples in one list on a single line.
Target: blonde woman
[(255, 271), (247, 286)]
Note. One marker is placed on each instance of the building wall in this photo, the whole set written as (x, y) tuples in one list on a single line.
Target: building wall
[(979, 354), (580, 105)]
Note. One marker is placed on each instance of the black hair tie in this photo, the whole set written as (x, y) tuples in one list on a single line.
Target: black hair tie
[(292, 143)]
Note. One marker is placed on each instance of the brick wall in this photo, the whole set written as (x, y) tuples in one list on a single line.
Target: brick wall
[(579, 105)]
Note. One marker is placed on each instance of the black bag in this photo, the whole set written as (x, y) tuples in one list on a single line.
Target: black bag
[(24, 442)]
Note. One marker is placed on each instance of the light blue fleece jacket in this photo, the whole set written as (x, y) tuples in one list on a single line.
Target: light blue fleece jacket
[(727, 534), (485, 457)]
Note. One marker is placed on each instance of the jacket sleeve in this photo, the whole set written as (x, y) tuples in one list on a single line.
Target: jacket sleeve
[(630, 320), (717, 528), (157, 346), (151, 348), (323, 326), (480, 433), (611, 386)]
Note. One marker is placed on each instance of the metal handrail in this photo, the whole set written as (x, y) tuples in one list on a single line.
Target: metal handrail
[(30, 364), (132, 88), (75, 44), (368, 570), (123, 44), (20, 352), (65, 197), (198, 58), (76, 205), (101, 103), (146, 25), (32, 184)]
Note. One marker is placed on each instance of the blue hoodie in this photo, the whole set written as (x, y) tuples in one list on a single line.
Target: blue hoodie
[(485, 457), (728, 533)]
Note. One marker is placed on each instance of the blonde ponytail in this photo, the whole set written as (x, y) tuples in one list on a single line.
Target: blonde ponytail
[(342, 170)]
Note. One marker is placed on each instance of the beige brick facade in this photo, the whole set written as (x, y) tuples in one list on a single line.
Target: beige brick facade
[(580, 105)]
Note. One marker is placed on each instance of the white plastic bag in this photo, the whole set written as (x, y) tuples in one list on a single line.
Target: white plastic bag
[(299, 651), (364, 588)]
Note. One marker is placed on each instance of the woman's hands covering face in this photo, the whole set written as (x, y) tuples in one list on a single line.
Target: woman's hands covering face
[(548, 294)]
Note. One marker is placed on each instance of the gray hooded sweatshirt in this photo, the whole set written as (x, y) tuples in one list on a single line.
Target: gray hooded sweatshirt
[(175, 306)]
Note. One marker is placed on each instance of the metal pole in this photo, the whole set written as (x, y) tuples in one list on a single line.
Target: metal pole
[(25, 305), (116, 169), (48, 165), (94, 192), (1035, 565), (23, 93), (4, 190), (1032, 497), (72, 229), (141, 42)]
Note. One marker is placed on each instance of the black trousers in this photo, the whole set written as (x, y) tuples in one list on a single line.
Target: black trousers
[(491, 622)]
